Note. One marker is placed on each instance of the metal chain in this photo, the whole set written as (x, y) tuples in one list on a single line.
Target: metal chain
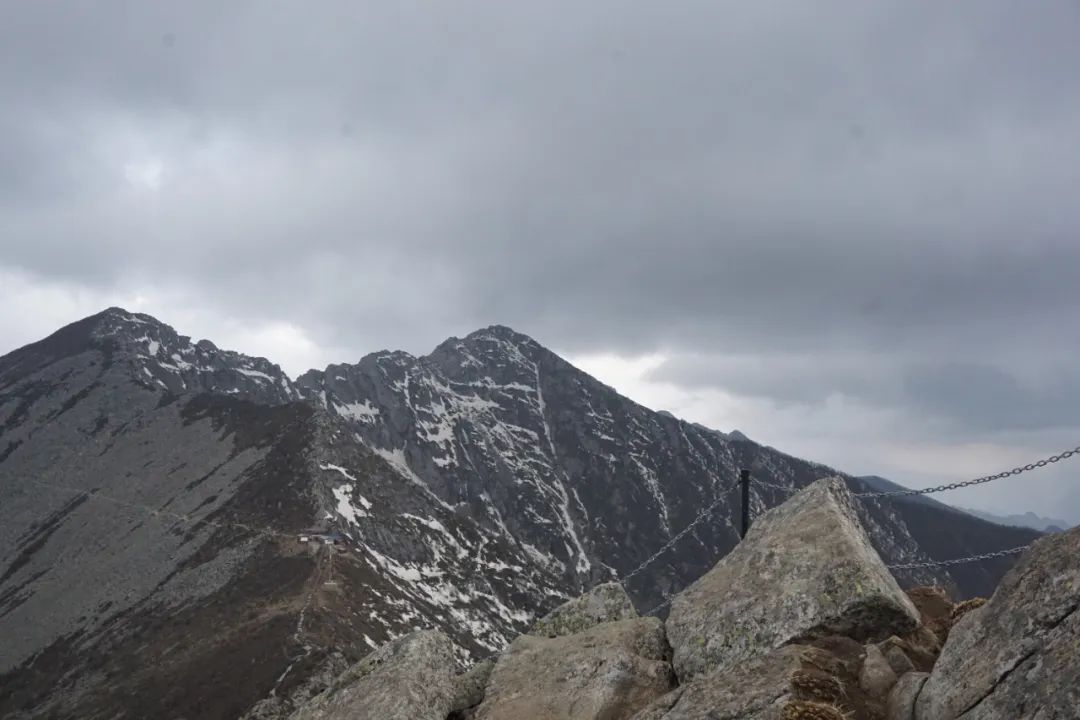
[(667, 601), (958, 561), (700, 517), (785, 488), (977, 481), (905, 566)]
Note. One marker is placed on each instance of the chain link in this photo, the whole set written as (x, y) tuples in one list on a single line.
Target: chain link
[(700, 517), (973, 558), (977, 481), (667, 601), (903, 566), (958, 561), (774, 486), (906, 566)]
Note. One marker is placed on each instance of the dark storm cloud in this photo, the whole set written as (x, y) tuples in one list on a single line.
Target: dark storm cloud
[(982, 398), (967, 398), (876, 200)]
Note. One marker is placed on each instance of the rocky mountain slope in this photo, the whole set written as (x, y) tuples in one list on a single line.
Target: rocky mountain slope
[(137, 576), (802, 621), (592, 483), (1028, 519), (153, 491)]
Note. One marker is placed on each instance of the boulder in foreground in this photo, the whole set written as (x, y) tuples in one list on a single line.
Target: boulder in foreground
[(604, 603), (1017, 656), (607, 672), (796, 682), (411, 678), (469, 686), (806, 569), (902, 698)]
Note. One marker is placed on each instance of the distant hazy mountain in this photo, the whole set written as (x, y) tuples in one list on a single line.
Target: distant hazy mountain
[(1028, 519), (153, 491)]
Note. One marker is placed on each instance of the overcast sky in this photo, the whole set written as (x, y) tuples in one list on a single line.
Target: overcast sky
[(848, 229)]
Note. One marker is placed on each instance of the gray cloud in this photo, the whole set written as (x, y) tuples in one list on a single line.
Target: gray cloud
[(870, 200), (962, 399), (805, 379), (983, 398)]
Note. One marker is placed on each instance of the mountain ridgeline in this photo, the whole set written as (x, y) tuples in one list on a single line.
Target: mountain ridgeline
[(154, 492)]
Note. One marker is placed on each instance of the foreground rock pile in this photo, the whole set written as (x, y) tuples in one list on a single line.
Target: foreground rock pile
[(801, 621)]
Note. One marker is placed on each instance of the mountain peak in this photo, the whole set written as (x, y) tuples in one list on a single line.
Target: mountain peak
[(487, 347), (102, 331), (116, 310), (115, 317), (156, 357), (503, 333), (140, 332)]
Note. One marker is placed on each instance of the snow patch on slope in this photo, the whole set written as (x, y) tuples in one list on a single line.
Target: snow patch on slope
[(583, 563), (254, 374), (345, 494), (361, 412), (396, 459)]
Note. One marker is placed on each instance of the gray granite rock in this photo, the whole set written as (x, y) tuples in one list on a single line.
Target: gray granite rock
[(903, 695), (604, 603), (1018, 656), (411, 678), (469, 686), (606, 672), (896, 657), (805, 569), (877, 676), (659, 708), (755, 690), (795, 682)]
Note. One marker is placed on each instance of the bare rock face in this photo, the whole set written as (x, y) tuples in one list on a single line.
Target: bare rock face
[(411, 678), (469, 686), (795, 682), (604, 603), (756, 690), (1017, 656), (877, 676), (903, 696), (806, 569), (899, 660), (607, 672), (964, 608), (918, 650)]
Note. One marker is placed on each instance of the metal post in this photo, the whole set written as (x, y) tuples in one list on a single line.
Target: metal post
[(744, 476)]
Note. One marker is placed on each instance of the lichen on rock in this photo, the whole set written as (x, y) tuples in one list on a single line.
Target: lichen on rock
[(805, 570), (1018, 655), (607, 602), (610, 670), (410, 678)]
